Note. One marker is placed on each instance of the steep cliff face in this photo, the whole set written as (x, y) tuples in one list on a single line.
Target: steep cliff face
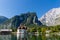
[(26, 18), (51, 18)]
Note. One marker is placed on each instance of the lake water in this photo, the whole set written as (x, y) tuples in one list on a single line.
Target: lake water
[(29, 37)]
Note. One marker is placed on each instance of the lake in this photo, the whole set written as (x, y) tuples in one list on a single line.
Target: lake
[(29, 37)]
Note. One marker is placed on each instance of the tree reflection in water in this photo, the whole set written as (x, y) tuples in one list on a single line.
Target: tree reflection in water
[(28, 37), (5, 37)]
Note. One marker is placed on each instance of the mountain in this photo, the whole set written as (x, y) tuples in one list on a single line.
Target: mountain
[(25, 18), (51, 18), (3, 19)]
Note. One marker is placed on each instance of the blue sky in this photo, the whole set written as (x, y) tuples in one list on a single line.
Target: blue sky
[(9, 8)]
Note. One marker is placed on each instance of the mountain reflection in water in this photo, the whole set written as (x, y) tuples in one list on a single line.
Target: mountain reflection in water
[(28, 37)]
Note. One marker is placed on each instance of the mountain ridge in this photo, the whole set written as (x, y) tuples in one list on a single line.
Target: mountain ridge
[(51, 17), (3, 19), (27, 19)]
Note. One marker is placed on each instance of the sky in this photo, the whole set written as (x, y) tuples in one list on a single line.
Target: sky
[(10, 8)]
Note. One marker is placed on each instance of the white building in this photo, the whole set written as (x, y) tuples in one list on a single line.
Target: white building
[(21, 31)]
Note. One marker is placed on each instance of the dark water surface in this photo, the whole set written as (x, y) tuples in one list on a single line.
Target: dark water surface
[(29, 37)]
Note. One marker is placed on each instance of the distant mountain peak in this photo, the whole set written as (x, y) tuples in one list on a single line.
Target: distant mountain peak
[(3, 19), (54, 11), (52, 17)]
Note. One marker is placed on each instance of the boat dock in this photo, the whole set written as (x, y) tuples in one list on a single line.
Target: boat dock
[(5, 31)]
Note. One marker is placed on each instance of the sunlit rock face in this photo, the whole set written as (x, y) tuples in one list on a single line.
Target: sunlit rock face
[(51, 18)]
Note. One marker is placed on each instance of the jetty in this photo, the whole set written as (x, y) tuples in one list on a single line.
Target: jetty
[(5, 31)]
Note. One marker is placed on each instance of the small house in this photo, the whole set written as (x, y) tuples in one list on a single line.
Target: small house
[(21, 29)]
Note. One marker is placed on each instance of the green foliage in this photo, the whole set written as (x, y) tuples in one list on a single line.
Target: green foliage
[(43, 29), (14, 29)]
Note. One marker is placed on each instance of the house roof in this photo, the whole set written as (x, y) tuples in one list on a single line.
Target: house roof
[(5, 29), (22, 27)]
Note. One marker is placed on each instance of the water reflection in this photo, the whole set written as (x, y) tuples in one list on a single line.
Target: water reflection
[(13, 37), (5, 37), (29, 37), (43, 37), (21, 36)]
